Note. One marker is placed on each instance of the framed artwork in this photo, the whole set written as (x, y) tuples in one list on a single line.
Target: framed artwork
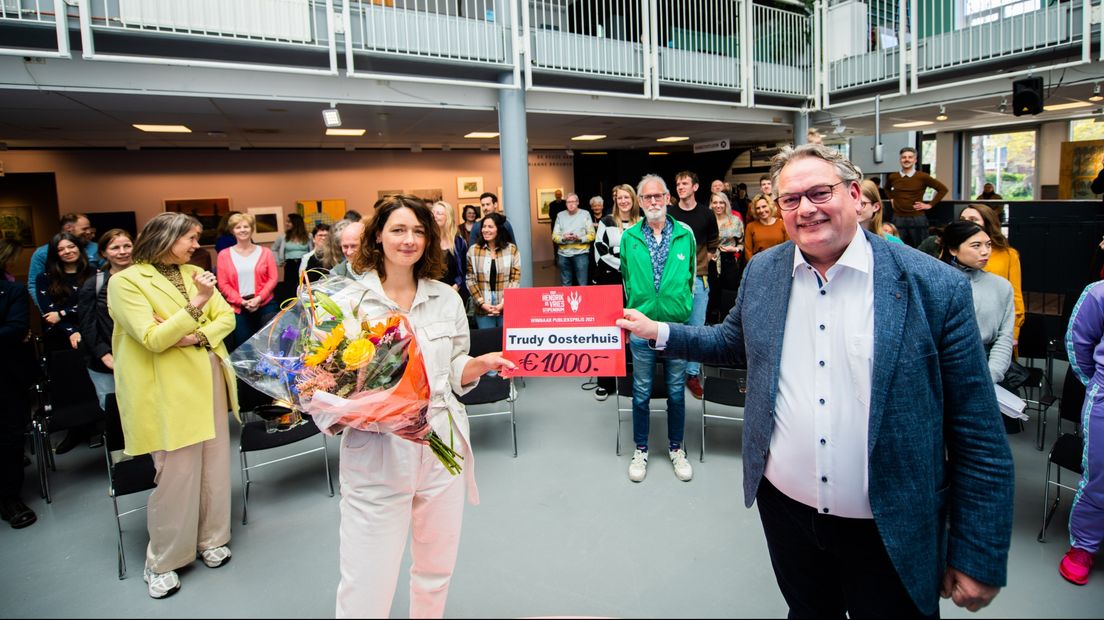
[(269, 223), (544, 199), (325, 211), (384, 193), (17, 225), (430, 196), (208, 211), (1079, 165), (469, 187)]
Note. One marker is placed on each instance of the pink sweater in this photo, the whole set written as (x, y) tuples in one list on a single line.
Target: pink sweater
[(264, 277)]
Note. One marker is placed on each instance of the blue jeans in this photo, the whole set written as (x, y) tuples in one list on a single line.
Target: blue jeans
[(573, 269), (697, 316), (644, 361), (248, 323), (104, 383), (483, 322)]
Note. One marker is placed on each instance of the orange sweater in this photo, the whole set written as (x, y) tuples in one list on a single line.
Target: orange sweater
[(1006, 264), (905, 191), (759, 237)]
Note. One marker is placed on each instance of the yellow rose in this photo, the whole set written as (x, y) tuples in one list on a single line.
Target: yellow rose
[(358, 353)]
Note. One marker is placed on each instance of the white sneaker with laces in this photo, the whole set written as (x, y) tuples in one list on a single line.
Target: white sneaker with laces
[(216, 556), (638, 468), (161, 584), (683, 471)]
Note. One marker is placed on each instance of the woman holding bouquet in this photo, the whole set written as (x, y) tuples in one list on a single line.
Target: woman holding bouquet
[(174, 393), (391, 485)]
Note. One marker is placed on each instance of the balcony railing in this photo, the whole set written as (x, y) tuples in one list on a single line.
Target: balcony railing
[(784, 58), (603, 38), (698, 42), (433, 30), (867, 42), (48, 36)]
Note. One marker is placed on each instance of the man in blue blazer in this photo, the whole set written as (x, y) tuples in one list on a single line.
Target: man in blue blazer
[(873, 442)]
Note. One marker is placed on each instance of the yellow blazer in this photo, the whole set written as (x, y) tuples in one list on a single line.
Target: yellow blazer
[(165, 392), (1006, 264)]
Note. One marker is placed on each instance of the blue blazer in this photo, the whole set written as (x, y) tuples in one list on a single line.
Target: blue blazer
[(940, 471)]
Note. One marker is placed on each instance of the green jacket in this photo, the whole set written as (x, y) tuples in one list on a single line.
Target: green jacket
[(675, 298)]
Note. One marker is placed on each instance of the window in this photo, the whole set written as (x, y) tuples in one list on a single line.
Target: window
[(1086, 129), (1007, 160), (927, 154)]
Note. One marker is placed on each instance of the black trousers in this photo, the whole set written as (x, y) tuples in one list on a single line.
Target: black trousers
[(828, 566)]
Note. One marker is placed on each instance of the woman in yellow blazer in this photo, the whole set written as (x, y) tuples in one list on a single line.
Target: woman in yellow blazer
[(1004, 261), (174, 395)]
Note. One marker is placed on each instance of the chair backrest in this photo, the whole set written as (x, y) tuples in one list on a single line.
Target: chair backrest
[(1073, 397), (70, 384), (127, 475), (1033, 336), (486, 340), (724, 385), (251, 399), (113, 426)]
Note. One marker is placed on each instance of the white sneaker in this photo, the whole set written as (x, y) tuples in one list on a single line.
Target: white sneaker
[(683, 471), (638, 468), (216, 556), (161, 584)]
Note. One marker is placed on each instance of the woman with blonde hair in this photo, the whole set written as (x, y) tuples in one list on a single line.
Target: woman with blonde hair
[(726, 266), (1004, 261), (174, 394), (871, 216), (247, 278), (454, 246), (766, 230)]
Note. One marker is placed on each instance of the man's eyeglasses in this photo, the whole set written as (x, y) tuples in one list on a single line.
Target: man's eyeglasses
[(652, 197), (817, 194)]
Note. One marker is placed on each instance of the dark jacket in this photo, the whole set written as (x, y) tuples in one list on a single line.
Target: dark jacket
[(96, 325), (17, 365), (940, 471)]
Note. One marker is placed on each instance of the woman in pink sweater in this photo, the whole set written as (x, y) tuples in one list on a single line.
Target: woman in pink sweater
[(247, 277)]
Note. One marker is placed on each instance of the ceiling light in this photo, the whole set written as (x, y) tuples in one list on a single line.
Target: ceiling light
[(331, 117), (344, 132), (482, 134), (163, 128), (657, 152), (1096, 96), (587, 137), (594, 153), (942, 113), (1067, 106), (673, 139), (913, 124)]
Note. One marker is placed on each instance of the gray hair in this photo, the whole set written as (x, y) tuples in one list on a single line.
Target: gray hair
[(651, 178), (597, 200), (160, 234), (846, 170)]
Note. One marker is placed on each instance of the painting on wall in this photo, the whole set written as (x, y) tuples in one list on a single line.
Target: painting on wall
[(384, 193), (430, 196), (269, 223), (1080, 163), (469, 187), (325, 211), (544, 199), (208, 211), (17, 225)]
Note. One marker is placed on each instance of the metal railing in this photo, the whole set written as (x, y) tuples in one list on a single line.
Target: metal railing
[(471, 31), (784, 57), (41, 15), (698, 42), (598, 38), (867, 42)]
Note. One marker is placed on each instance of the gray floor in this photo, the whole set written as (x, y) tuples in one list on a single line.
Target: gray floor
[(561, 531)]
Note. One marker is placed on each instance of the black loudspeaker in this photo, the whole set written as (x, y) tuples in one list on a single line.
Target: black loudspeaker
[(1027, 96)]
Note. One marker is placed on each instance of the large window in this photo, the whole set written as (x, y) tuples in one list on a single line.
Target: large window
[(1007, 160), (927, 153), (1086, 129)]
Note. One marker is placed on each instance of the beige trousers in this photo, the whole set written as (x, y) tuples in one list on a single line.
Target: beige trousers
[(190, 508), (391, 490)]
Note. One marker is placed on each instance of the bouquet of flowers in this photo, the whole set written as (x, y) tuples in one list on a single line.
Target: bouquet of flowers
[(322, 356)]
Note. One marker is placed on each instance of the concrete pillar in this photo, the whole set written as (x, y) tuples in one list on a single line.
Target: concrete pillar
[(800, 128), (513, 143)]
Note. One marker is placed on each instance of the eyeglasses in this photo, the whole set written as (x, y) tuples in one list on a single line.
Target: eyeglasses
[(818, 195), (652, 197)]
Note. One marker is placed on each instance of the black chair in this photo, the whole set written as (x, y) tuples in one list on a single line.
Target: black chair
[(492, 389), (67, 400), (1067, 450), (1037, 391), (125, 474), (723, 386), (625, 390), (256, 437)]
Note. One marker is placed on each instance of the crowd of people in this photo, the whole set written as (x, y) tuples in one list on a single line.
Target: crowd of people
[(783, 283)]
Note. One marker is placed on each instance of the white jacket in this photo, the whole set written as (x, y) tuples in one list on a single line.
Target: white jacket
[(441, 329)]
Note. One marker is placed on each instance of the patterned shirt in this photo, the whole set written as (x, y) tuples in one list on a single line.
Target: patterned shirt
[(658, 249)]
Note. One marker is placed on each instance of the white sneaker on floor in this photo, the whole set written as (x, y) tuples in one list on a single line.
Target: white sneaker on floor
[(216, 556), (638, 468), (161, 584), (683, 471)]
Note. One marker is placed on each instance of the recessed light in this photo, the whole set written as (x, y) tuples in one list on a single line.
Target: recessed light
[(163, 128), (914, 124), (942, 113), (594, 153), (673, 139), (657, 152), (587, 136), (482, 134), (1096, 96), (1067, 106), (334, 131)]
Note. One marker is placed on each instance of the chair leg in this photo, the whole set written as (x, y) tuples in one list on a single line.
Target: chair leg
[(1048, 513), (513, 427), (326, 460), (119, 530), (618, 412), (245, 486), (701, 456)]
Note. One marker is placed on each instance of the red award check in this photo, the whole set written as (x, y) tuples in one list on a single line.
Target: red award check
[(564, 331)]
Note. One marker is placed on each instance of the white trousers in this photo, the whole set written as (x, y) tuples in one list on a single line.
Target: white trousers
[(392, 488)]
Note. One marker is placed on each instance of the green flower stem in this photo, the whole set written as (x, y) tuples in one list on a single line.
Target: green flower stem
[(445, 453)]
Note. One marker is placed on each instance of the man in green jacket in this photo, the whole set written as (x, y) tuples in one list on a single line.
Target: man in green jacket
[(657, 268)]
